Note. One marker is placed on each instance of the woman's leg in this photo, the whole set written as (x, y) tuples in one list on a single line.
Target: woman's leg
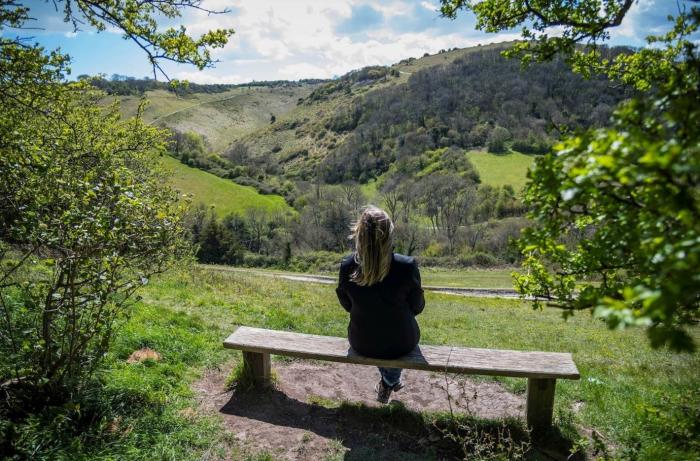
[(390, 376)]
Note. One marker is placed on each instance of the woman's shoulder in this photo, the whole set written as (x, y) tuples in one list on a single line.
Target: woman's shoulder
[(403, 260), (348, 261)]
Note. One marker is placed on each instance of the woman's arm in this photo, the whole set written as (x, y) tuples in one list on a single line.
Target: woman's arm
[(416, 300), (342, 295)]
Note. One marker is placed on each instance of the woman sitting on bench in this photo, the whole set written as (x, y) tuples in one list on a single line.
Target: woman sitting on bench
[(382, 292)]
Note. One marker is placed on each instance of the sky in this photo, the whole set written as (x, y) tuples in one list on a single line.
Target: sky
[(296, 39)]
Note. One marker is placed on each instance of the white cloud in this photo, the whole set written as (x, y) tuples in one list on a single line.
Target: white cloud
[(429, 6), (282, 39), (208, 77), (294, 40), (303, 70), (629, 29)]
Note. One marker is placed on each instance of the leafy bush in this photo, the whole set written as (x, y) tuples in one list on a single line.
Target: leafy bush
[(85, 220), (258, 260), (479, 259), (316, 261), (475, 259), (496, 142)]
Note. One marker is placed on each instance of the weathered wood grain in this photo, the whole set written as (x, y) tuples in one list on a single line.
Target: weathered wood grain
[(539, 406), (542, 365), (258, 365)]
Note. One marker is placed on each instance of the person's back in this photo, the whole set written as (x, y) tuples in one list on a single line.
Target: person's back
[(382, 292), (382, 316)]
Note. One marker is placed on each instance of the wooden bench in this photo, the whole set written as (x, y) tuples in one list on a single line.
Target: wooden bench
[(540, 368)]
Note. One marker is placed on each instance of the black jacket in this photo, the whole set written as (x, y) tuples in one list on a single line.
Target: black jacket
[(382, 316)]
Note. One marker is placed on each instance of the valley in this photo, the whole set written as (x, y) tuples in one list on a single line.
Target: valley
[(438, 141)]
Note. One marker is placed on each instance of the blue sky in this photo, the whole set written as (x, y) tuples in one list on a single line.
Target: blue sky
[(293, 39)]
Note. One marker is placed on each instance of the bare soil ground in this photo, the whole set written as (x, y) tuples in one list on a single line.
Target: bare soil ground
[(319, 411)]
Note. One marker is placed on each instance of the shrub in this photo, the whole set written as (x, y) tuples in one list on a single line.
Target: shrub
[(496, 142), (316, 261), (85, 220)]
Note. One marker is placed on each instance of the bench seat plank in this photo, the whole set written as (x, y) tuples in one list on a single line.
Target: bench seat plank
[(431, 358)]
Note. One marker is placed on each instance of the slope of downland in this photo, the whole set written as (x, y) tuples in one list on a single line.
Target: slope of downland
[(224, 195), (502, 169), (352, 129), (304, 144), (219, 117), (300, 140)]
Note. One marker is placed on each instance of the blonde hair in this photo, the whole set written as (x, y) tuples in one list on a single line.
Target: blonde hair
[(372, 234)]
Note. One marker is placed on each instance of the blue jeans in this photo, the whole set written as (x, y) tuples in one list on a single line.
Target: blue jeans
[(391, 376)]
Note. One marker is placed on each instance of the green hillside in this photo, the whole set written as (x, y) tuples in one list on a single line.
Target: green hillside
[(219, 117), (501, 169), (223, 195), (414, 137)]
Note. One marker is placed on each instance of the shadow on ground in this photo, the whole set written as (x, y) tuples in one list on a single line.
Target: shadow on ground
[(290, 422)]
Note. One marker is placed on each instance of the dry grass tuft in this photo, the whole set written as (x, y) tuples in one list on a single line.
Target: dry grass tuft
[(144, 354)]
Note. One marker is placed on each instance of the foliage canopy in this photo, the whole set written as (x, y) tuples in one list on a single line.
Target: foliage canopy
[(619, 204), (86, 216)]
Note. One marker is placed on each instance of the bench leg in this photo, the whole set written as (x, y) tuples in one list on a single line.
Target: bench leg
[(540, 403), (258, 365)]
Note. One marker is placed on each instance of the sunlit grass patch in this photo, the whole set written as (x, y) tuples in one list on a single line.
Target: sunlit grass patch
[(502, 169), (624, 384), (642, 402), (224, 195)]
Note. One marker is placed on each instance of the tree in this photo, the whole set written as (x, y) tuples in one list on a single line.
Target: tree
[(238, 153), (496, 142), (632, 188), (138, 23), (448, 200), (85, 220), (189, 147), (353, 197), (86, 214)]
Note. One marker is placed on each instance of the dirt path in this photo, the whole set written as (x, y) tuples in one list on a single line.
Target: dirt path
[(327, 280), (327, 411)]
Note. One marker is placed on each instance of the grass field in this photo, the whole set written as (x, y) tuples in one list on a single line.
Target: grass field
[(224, 195), (467, 278), (502, 169), (641, 403), (433, 276)]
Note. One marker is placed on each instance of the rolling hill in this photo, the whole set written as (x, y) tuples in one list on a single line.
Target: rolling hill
[(223, 195), (378, 120), (219, 117)]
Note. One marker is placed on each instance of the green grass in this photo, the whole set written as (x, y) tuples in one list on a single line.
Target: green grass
[(467, 278), (143, 410), (223, 194), (434, 276), (629, 392), (643, 403), (371, 192), (501, 169)]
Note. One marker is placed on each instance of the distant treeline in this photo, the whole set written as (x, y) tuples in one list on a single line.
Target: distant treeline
[(123, 85), (479, 100)]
